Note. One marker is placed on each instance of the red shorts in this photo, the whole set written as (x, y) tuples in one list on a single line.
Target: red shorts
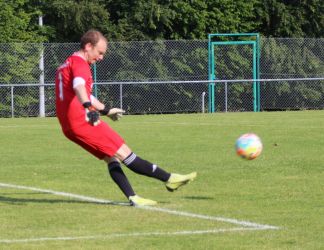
[(100, 140)]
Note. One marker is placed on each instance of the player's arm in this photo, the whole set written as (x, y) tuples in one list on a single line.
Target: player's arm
[(81, 93), (113, 113), (97, 104), (94, 104), (92, 115)]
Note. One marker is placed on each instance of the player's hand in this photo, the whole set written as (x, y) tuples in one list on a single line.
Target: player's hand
[(91, 114), (115, 114)]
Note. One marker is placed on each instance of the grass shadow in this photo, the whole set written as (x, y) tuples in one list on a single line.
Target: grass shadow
[(23, 201), (198, 198)]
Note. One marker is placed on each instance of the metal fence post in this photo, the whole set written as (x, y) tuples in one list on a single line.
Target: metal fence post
[(41, 78), (226, 97), (12, 102), (121, 95), (203, 102)]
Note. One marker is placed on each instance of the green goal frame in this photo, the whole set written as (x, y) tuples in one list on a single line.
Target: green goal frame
[(237, 39)]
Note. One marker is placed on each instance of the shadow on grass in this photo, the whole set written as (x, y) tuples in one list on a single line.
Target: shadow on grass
[(8, 199), (198, 198), (24, 201)]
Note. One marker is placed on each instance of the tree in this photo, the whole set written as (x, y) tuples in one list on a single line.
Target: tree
[(195, 19), (312, 17), (140, 20), (302, 18), (71, 18), (179, 19), (19, 22)]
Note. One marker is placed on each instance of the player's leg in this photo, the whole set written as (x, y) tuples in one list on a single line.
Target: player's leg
[(117, 174), (102, 141), (140, 166), (143, 167), (121, 180)]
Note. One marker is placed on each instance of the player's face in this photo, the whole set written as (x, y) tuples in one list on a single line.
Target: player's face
[(96, 53)]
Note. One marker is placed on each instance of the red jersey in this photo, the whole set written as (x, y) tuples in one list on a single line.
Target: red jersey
[(100, 140), (69, 110)]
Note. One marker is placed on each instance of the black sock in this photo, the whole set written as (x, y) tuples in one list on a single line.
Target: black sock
[(120, 178), (144, 167)]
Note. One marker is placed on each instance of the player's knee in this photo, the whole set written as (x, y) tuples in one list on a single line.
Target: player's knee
[(123, 152), (114, 165), (109, 160)]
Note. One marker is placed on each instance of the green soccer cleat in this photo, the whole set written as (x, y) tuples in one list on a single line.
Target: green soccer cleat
[(139, 201), (177, 180)]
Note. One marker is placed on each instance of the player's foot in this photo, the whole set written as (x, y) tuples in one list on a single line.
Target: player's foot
[(139, 201), (177, 180)]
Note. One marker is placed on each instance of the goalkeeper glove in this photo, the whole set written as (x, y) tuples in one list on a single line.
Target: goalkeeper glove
[(114, 114), (92, 115)]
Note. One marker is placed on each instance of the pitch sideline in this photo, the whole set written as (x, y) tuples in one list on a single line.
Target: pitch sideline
[(245, 225), (114, 235)]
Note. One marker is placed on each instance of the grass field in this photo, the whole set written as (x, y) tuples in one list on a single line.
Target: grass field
[(281, 194)]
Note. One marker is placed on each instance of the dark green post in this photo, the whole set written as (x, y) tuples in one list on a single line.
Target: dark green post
[(94, 76)]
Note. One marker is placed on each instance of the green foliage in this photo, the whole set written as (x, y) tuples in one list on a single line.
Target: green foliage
[(19, 62), (26, 101), (66, 20), (313, 18), (140, 20), (19, 22), (145, 20), (293, 58), (291, 18), (161, 60), (71, 19), (195, 19), (19, 65)]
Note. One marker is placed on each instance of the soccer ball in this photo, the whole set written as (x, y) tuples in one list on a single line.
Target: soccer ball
[(248, 146)]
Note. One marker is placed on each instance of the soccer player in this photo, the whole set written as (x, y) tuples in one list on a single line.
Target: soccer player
[(79, 115)]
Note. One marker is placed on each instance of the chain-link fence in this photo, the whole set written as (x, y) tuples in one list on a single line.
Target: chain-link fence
[(176, 97), (131, 76)]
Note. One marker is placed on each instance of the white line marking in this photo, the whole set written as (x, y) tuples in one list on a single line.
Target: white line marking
[(76, 196), (207, 217), (164, 210), (109, 236), (246, 224), (26, 126)]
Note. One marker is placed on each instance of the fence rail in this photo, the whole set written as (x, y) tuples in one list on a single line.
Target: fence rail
[(151, 97)]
